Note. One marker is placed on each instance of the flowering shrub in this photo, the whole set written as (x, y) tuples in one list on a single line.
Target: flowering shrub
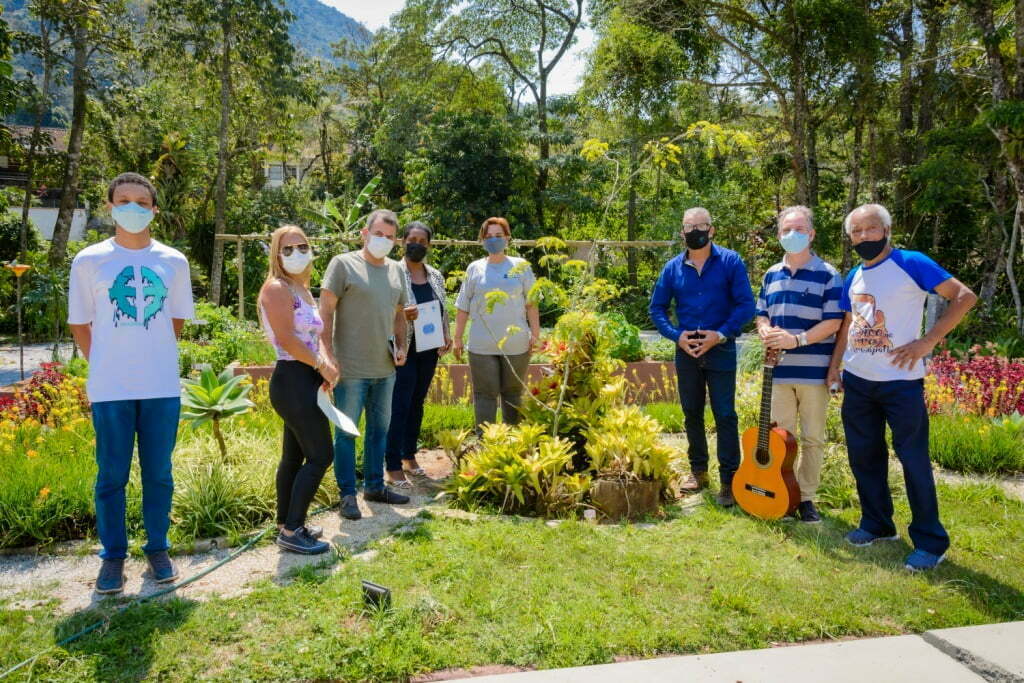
[(982, 385), (49, 396)]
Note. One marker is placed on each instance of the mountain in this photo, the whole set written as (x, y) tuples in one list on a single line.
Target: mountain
[(317, 26)]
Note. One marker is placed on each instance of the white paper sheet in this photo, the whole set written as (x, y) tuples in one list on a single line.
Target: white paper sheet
[(338, 418), (429, 326)]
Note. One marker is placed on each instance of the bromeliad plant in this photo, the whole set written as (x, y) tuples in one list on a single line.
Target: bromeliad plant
[(519, 469), (213, 398), (625, 445)]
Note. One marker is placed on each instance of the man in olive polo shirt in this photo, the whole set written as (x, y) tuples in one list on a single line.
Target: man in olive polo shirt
[(361, 303)]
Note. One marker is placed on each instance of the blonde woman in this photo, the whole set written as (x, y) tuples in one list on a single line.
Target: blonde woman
[(293, 325)]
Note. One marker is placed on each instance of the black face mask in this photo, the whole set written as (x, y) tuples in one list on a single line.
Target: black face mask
[(415, 252), (697, 239), (870, 249)]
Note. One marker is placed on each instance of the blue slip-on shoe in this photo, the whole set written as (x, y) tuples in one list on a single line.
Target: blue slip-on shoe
[(164, 571), (862, 539), (313, 531), (111, 577), (350, 508), (922, 561), (301, 542)]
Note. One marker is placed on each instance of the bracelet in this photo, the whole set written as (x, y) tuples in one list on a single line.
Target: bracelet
[(319, 362), (801, 339)]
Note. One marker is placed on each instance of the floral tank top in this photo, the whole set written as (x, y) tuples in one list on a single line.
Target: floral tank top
[(308, 327)]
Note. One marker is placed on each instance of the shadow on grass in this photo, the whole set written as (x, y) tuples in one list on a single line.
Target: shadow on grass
[(998, 600), (123, 647)]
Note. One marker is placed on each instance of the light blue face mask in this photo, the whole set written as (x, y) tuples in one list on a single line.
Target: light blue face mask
[(132, 217), (794, 242), (495, 245)]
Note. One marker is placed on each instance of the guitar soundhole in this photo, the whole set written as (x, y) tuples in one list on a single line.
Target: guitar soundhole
[(762, 457)]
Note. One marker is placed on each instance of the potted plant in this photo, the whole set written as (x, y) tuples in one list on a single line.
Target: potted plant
[(632, 468)]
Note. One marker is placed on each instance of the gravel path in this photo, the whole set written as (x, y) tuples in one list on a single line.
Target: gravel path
[(35, 356), (36, 579)]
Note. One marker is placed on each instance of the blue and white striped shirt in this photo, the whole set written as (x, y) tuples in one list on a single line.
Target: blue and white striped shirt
[(796, 302)]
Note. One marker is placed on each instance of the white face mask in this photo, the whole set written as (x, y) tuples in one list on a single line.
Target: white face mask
[(297, 262), (132, 217), (379, 247)]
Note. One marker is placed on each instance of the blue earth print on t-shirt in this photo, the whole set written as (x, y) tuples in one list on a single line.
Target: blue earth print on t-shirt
[(124, 295)]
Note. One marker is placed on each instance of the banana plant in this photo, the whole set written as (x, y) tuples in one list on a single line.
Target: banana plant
[(331, 217), (213, 398)]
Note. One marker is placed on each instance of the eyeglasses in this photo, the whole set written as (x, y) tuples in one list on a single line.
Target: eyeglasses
[(287, 251), (690, 227)]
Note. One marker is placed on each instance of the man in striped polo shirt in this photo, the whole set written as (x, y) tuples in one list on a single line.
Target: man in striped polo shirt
[(798, 311)]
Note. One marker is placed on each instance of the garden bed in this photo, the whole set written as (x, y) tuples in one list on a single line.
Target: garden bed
[(647, 381)]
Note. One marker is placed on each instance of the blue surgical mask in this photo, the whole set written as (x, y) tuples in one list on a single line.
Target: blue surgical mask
[(132, 217), (794, 242), (495, 245)]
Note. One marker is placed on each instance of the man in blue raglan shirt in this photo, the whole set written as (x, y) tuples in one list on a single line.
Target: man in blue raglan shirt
[(713, 301), (881, 346)]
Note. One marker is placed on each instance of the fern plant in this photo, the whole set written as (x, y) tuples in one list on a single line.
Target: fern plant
[(213, 398)]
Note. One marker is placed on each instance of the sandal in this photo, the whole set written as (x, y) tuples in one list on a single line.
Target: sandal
[(414, 471), (400, 483)]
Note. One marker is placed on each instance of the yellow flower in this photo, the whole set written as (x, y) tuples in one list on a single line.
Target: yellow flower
[(31, 453), (44, 492)]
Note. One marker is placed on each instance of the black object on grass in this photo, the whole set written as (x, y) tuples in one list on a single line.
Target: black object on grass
[(375, 596)]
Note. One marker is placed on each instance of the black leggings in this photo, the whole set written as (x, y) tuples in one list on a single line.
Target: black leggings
[(306, 450)]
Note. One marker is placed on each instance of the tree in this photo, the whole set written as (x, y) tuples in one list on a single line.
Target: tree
[(227, 37), (527, 39), (93, 28), (631, 74)]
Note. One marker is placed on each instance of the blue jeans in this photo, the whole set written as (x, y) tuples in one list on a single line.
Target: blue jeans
[(867, 406), (155, 421), (351, 396), (712, 374), (412, 382)]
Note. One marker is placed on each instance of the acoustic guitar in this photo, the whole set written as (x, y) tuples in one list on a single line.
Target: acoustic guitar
[(764, 485)]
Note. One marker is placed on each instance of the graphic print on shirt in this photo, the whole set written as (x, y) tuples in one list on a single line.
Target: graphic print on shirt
[(868, 332), (125, 297)]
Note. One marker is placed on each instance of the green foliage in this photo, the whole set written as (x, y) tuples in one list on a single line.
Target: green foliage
[(218, 500), (10, 233), (216, 338), (625, 342), (977, 444), (519, 470)]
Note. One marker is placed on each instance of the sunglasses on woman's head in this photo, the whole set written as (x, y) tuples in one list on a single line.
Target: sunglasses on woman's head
[(287, 251)]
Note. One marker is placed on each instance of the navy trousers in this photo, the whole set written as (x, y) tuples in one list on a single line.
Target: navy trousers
[(867, 406), (713, 374), (412, 382)]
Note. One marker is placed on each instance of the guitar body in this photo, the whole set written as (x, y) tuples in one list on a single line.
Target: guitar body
[(764, 485)]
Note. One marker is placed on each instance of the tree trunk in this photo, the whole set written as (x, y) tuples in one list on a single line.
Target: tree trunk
[(221, 444), (932, 18), (812, 162), (221, 192), (69, 188), (996, 241), (905, 142), (545, 152), (1011, 256), (42, 98), (872, 150), (851, 197), (798, 128), (631, 260)]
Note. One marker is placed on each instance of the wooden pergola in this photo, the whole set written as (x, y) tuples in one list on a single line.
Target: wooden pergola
[(589, 245)]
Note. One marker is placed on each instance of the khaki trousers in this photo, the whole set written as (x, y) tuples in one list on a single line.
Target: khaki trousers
[(809, 403)]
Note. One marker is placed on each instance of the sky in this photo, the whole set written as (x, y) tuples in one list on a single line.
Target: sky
[(565, 79)]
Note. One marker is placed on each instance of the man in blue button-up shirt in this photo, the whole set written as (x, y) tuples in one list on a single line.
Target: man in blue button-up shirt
[(713, 301)]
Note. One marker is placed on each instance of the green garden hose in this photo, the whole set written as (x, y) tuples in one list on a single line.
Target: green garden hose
[(138, 601)]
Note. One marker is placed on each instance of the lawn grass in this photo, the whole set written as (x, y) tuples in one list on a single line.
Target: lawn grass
[(523, 593)]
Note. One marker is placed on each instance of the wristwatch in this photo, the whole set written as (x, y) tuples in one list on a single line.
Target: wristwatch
[(801, 339)]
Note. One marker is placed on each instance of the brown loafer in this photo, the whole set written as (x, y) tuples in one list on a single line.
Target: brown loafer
[(697, 481)]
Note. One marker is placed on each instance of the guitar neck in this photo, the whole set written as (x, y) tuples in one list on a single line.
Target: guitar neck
[(765, 419)]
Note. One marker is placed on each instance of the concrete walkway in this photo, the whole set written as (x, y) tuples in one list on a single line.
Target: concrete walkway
[(993, 653)]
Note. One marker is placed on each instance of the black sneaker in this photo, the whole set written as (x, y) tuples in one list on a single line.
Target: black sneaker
[(111, 577), (163, 569), (807, 513), (313, 531), (724, 496), (350, 508), (302, 543), (385, 495)]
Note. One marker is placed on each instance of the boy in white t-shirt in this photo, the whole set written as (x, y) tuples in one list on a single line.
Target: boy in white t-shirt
[(128, 299), (881, 346)]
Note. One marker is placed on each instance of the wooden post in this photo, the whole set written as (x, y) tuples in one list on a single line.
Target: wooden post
[(240, 265)]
